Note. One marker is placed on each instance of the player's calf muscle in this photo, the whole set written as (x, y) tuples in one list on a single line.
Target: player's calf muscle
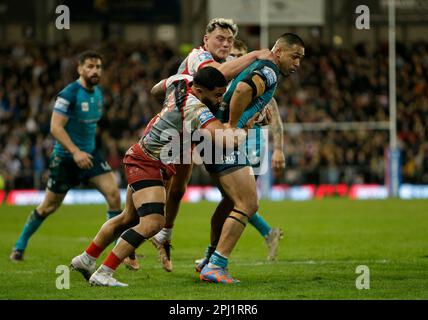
[(46, 208)]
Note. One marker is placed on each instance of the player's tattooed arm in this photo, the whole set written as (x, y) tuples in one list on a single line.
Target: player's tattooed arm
[(278, 158), (277, 128), (231, 69), (58, 122)]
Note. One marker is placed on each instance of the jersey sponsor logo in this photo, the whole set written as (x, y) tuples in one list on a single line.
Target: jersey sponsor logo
[(50, 183), (105, 166), (205, 116), (270, 75), (231, 158), (85, 106), (61, 104), (204, 56)]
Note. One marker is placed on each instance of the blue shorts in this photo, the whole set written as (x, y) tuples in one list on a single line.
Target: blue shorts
[(230, 162), (254, 155), (65, 174)]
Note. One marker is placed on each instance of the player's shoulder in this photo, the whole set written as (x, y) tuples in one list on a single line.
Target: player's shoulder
[(268, 70), (72, 86), (194, 104), (178, 77), (196, 109), (179, 82), (198, 50), (201, 54), (70, 91)]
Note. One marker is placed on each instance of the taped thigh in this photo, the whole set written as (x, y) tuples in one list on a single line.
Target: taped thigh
[(151, 208)]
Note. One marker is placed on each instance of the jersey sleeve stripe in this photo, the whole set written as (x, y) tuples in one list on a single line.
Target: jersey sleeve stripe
[(204, 63), (61, 112), (208, 122)]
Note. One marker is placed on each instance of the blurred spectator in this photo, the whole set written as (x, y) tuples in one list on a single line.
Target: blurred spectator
[(333, 85)]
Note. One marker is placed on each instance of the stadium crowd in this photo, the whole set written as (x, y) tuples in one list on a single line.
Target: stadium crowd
[(333, 85)]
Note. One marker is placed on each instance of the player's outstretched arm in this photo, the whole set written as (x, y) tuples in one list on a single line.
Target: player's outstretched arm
[(231, 69), (58, 122)]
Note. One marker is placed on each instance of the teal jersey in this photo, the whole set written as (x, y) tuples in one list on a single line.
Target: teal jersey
[(83, 108), (269, 72), (254, 145)]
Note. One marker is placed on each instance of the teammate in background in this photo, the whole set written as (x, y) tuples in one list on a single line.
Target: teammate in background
[(218, 41), (248, 94), (189, 106), (74, 160)]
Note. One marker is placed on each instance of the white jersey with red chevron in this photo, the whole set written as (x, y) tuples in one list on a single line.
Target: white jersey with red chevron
[(195, 60), (182, 112)]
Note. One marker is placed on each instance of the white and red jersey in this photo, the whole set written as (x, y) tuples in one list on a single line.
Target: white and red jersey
[(182, 111), (194, 61)]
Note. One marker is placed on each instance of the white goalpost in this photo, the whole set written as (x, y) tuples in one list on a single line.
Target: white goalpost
[(392, 156), (393, 176)]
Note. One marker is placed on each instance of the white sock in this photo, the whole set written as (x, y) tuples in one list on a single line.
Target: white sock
[(164, 235), (104, 268), (88, 258)]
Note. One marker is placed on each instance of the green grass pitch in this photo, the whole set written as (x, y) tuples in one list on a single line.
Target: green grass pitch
[(324, 243)]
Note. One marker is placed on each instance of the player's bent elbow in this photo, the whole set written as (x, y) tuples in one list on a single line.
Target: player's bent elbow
[(243, 88), (225, 71)]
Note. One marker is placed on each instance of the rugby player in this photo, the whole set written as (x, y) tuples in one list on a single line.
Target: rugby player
[(75, 160), (248, 94), (218, 41), (189, 106)]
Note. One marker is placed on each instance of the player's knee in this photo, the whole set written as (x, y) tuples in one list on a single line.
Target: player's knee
[(113, 198), (46, 209), (152, 218), (150, 225), (249, 206), (127, 220), (253, 208)]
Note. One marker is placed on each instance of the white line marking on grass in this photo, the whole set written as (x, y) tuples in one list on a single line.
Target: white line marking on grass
[(282, 262), (315, 262)]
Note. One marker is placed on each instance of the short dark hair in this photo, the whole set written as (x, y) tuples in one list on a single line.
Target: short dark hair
[(291, 39), (89, 55), (209, 78), (240, 45)]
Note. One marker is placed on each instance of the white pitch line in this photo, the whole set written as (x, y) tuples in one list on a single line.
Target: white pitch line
[(266, 263), (315, 262)]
